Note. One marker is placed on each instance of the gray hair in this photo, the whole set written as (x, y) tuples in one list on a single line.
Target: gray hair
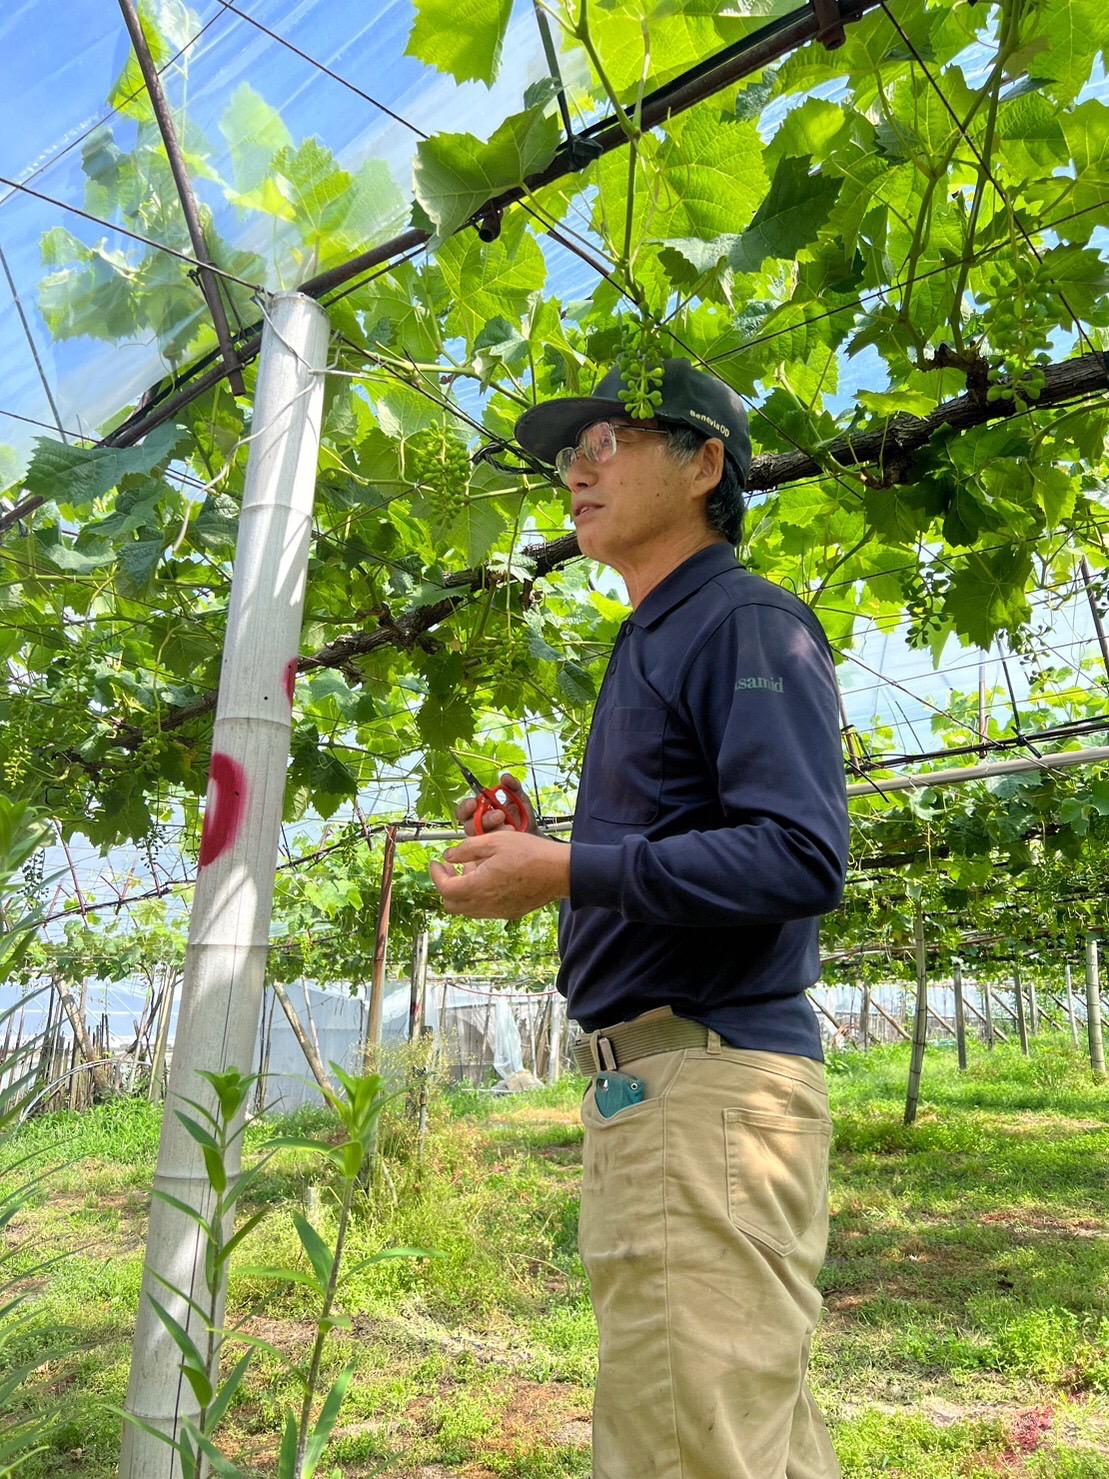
[(724, 509)]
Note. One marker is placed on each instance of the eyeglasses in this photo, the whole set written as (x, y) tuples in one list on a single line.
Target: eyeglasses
[(598, 444)]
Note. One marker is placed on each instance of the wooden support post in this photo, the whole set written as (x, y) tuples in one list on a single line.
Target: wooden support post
[(1070, 1004), (381, 948), (894, 1023), (1093, 1009), (864, 1014), (1033, 1009), (819, 1005), (1042, 1013), (942, 1020), (1022, 1022), (920, 1017), (987, 1007), (418, 994), (960, 1018), (81, 1036), (991, 1030)]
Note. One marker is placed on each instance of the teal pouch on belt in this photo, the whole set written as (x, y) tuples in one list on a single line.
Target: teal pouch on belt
[(613, 1092)]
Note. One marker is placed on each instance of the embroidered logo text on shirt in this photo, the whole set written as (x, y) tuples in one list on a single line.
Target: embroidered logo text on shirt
[(770, 685)]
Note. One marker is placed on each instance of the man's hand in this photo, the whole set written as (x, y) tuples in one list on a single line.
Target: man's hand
[(493, 820), (504, 874)]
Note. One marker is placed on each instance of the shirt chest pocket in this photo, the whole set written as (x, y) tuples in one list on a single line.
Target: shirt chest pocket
[(627, 782)]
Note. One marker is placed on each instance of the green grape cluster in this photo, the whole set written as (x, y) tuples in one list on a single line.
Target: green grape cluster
[(572, 739), (640, 366), (1017, 323), (15, 762), (438, 464), (19, 723), (924, 598), (500, 663)]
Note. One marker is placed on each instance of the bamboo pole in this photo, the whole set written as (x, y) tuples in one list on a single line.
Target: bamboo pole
[(920, 1017), (44, 1057), (960, 1017), (381, 946), (1095, 612), (1022, 1022), (73, 1074), (266, 1036), (1070, 1004), (161, 1040), (1093, 1009), (229, 930), (1033, 1009)]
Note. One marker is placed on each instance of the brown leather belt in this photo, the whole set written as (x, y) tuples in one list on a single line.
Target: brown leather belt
[(656, 1032)]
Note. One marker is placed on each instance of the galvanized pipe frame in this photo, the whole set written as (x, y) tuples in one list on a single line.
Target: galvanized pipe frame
[(767, 45), (208, 282)]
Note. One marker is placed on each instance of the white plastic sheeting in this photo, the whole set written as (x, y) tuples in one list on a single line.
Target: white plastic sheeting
[(476, 1030)]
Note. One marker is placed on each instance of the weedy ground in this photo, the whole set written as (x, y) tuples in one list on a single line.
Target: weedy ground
[(966, 1331)]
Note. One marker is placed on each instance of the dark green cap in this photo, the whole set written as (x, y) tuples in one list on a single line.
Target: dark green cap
[(689, 396)]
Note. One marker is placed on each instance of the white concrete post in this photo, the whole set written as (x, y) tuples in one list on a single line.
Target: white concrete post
[(226, 957)]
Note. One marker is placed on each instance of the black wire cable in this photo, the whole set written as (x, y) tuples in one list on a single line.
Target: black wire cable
[(983, 165)]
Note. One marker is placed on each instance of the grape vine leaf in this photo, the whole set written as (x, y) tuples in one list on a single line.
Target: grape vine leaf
[(455, 174), (76, 475), (460, 37)]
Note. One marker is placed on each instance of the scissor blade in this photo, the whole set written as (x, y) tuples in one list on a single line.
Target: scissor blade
[(470, 776)]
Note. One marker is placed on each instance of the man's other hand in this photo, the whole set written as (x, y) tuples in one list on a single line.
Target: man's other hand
[(504, 874), (492, 821)]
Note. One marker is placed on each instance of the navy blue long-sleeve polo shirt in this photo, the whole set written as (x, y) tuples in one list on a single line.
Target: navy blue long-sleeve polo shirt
[(710, 831)]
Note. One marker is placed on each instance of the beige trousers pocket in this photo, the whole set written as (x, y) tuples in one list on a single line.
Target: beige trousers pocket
[(777, 1174)]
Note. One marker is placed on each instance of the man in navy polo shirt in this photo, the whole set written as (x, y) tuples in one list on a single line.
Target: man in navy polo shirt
[(710, 834)]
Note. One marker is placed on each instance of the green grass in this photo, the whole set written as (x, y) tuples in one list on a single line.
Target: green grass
[(966, 1330)]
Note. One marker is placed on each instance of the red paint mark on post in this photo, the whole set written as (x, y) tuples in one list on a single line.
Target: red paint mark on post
[(290, 677), (224, 818)]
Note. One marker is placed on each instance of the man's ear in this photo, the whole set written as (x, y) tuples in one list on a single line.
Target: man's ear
[(709, 466)]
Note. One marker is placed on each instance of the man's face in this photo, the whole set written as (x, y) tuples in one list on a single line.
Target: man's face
[(637, 500)]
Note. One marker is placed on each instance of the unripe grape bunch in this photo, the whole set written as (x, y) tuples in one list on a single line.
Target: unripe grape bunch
[(438, 464), (1017, 323), (640, 365)]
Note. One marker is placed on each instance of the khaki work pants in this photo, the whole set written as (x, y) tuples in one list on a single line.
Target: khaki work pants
[(703, 1227)]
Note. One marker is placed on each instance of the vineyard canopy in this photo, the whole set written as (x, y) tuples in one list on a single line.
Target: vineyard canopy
[(893, 248)]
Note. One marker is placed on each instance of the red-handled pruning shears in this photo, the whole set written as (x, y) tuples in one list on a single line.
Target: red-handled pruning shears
[(495, 798)]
